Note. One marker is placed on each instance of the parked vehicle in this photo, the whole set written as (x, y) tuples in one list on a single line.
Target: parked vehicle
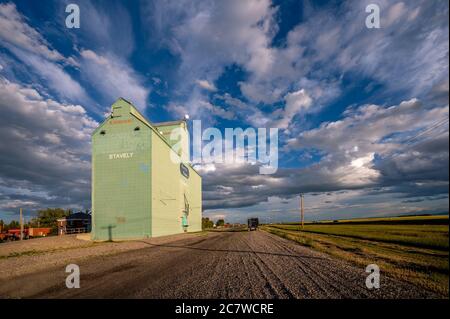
[(14, 234), (252, 223)]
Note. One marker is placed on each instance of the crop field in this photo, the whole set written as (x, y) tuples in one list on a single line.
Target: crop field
[(415, 248)]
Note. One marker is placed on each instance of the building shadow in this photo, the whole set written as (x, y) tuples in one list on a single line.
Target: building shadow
[(234, 251), (110, 234)]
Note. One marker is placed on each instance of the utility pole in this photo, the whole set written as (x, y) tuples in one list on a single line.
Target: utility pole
[(21, 224), (301, 209)]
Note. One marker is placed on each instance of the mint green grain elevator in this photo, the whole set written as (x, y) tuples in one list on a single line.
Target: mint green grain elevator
[(142, 184)]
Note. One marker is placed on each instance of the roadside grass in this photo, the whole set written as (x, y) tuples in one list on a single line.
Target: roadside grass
[(19, 254), (34, 252), (428, 219), (415, 253), (426, 236)]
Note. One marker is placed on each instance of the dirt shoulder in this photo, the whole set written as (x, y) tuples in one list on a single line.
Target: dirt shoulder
[(29, 256)]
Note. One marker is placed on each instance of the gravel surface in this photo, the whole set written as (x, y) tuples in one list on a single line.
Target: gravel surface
[(30, 256), (218, 265)]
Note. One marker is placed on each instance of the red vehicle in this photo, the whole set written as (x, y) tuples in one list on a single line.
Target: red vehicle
[(28, 233), (14, 234), (39, 232)]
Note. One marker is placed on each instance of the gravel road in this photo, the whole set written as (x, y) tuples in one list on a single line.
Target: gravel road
[(217, 265)]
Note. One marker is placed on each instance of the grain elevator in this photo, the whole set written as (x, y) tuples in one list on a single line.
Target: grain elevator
[(138, 189)]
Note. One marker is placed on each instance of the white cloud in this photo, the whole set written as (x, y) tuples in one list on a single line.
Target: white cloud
[(110, 75), (219, 33), (55, 76), (29, 46), (209, 167), (177, 110), (114, 78), (50, 158), (350, 144), (216, 110), (296, 103), (394, 13), (364, 128), (361, 161), (209, 35), (355, 154), (247, 112), (16, 32), (409, 54), (68, 120), (209, 112), (204, 84)]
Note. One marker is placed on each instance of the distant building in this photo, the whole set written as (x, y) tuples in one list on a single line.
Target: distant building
[(74, 223)]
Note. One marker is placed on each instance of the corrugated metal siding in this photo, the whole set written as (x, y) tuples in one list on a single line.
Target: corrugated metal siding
[(166, 213), (182, 141), (194, 192), (168, 193), (121, 185), (142, 195)]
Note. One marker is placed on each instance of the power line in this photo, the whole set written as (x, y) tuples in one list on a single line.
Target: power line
[(434, 126), (410, 141)]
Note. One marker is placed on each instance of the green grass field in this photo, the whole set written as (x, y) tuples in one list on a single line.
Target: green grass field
[(414, 248)]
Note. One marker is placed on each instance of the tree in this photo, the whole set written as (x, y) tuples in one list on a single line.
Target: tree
[(207, 223), (220, 222), (13, 224), (47, 217)]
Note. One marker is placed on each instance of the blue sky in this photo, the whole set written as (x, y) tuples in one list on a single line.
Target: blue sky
[(362, 113)]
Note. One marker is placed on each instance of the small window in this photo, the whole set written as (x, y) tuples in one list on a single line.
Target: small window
[(102, 132), (137, 128)]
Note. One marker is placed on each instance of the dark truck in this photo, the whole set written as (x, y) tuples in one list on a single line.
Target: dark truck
[(252, 223)]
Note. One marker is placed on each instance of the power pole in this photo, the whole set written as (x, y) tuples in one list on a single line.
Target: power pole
[(21, 224), (301, 209)]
